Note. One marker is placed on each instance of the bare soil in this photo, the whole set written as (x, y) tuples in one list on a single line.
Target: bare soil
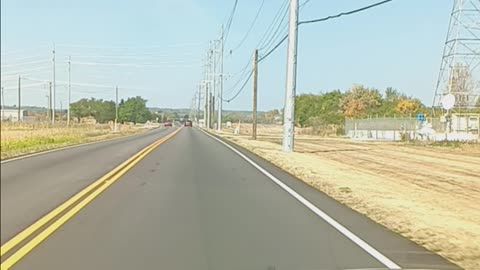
[(429, 194)]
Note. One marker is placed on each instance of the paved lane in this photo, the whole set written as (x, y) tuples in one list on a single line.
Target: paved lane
[(194, 204), (33, 186)]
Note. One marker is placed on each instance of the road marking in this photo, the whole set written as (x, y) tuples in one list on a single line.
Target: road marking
[(339, 227), (99, 186), (69, 147)]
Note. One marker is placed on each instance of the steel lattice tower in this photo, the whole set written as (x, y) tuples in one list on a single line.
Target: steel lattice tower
[(460, 67)]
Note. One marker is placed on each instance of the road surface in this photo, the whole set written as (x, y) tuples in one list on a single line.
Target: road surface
[(190, 203)]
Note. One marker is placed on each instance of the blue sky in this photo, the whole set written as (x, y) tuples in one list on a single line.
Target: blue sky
[(155, 48)]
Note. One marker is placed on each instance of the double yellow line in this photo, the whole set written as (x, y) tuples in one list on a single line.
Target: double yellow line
[(73, 205)]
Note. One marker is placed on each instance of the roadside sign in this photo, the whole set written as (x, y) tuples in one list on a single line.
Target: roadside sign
[(420, 117)]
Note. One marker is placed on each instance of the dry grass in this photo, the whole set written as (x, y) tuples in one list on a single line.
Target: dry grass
[(430, 194), (24, 138)]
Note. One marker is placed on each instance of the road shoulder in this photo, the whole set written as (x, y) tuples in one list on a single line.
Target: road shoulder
[(401, 250)]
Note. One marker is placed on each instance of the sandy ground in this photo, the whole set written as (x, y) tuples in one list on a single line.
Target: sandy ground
[(428, 194)]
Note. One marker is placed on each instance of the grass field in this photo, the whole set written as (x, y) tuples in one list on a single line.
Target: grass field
[(428, 193), (24, 138)]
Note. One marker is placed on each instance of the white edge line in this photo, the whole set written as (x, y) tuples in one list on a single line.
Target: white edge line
[(339, 227), (68, 147)]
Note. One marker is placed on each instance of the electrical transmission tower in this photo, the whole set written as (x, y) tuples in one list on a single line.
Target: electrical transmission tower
[(460, 69)]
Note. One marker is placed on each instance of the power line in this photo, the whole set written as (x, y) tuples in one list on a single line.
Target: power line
[(241, 71), (274, 37), (25, 63), (321, 20), (166, 64), (344, 13), (22, 58), (273, 49), (238, 82), (304, 22), (128, 57), (284, 5), (281, 24), (24, 86), (262, 43), (24, 71), (229, 22), (303, 4), (3, 53), (241, 89), (192, 44), (250, 28)]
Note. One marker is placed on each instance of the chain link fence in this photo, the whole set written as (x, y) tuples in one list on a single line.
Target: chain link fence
[(461, 127)]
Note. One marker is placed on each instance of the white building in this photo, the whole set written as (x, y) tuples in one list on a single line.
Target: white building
[(11, 115)]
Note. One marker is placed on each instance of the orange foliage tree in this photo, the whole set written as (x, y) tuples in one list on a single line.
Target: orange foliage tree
[(408, 106)]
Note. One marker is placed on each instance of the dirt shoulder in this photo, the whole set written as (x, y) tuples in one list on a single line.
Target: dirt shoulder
[(429, 194)]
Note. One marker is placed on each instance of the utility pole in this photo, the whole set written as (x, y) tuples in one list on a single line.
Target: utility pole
[(207, 107), (212, 101), (289, 112), (69, 90), (199, 100), (214, 82), (209, 83), (204, 85), (19, 99), (50, 107), (54, 86), (3, 104), (116, 109), (220, 94), (254, 109)]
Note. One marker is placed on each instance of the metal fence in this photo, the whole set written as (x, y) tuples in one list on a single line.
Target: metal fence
[(381, 128), (462, 127)]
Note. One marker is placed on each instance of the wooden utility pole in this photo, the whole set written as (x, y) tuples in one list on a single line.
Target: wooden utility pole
[(254, 109), (19, 99)]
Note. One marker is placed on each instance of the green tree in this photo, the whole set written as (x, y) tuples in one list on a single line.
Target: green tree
[(389, 102), (102, 111), (134, 110), (81, 108), (318, 109), (305, 107)]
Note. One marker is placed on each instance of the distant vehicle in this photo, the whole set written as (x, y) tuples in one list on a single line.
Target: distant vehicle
[(167, 124), (188, 123)]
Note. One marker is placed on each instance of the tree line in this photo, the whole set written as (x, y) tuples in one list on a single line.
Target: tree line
[(133, 109), (333, 107)]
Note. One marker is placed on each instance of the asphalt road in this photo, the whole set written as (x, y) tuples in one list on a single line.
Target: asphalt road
[(192, 203)]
